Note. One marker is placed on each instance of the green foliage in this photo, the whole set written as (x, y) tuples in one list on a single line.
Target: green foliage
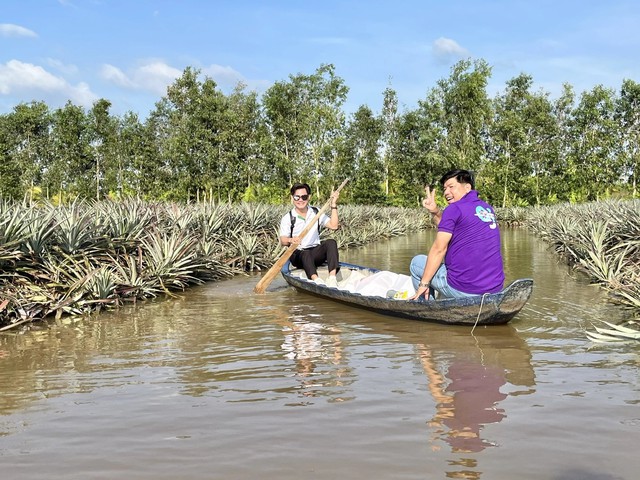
[(521, 145), (627, 114), (360, 151), (593, 163), (598, 238), (72, 259), (200, 145), (466, 111), (305, 119), (24, 148)]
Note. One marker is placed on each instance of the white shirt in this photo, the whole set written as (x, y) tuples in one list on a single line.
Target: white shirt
[(312, 238)]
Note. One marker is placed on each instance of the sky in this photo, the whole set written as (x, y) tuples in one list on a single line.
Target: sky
[(129, 51)]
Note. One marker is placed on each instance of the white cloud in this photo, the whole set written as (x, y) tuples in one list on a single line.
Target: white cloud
[(11, 30), (227, 78), (16, 75), (224, 76), (25, 78), (446, 49), (154, 76), (68, 69), (116, 76)]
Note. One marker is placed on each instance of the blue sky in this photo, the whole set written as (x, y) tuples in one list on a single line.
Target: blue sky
[(129, 51)]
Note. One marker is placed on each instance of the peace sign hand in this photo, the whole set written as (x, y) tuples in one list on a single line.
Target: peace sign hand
[(429, 201)]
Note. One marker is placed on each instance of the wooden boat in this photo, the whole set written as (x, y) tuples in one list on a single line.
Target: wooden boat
[(489, 309)]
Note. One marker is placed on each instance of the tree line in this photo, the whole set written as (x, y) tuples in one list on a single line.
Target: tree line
[(201, 144)]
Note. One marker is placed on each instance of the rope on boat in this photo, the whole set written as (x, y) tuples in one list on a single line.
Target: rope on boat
[(478, 317)]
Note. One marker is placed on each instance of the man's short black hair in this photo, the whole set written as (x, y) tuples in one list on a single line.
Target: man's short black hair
[(462, 176), (298, 186)]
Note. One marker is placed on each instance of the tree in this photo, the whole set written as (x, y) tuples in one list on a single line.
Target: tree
[(521, 144), (559, 180), (285, 124), (361, 152), (466, 113), (189, 119), (9, 173), (305, 118), (24, 142), (417, 158), (72, 168), (102, 131), (241, 144), (628, 119), (138, 170), (389, 118), (592, 161), (544, 148)]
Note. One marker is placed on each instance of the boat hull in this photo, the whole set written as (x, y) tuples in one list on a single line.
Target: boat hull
[(488, 309)]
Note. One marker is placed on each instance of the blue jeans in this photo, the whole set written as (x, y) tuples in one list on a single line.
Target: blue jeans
[(439, 280)]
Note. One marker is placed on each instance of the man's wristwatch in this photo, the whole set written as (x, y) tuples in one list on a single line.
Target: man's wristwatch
[(426, 285)]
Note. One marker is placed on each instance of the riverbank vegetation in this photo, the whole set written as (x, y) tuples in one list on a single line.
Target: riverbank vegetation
[(77, 258), (601, 239)]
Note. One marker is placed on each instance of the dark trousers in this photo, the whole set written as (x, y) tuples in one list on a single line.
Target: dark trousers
[(312, 257)]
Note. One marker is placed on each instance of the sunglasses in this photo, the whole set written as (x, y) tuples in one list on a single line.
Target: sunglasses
[(300, 197)]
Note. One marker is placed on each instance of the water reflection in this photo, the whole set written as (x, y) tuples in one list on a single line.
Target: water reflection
[(467, 396), (468, 388), (317, 350), (468, 376)]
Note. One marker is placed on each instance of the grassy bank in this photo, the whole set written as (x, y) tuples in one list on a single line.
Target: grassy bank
[(601, 239), (78, 258), (82, 257)]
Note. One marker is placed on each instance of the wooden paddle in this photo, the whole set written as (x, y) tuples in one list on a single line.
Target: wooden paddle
[(268, 277)]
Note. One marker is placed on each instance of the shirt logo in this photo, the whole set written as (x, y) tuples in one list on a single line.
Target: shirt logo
[(486, 216)]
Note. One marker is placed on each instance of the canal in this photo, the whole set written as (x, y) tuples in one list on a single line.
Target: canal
[(223, 383)]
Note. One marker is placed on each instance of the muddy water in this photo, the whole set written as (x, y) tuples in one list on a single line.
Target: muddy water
[(222, 383)]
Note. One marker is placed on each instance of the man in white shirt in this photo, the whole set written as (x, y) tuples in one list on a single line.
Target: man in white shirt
[(311, 252)]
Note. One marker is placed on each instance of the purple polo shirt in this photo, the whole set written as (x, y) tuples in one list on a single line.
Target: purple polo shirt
[(473, 259)]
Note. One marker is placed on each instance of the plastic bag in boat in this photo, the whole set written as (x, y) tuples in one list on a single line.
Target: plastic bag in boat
[(378, 284)]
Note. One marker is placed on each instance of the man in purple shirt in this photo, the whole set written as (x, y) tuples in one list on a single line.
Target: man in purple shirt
[(465, 257)]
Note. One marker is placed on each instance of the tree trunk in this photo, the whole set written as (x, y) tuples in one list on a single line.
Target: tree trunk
[(506, 176)]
